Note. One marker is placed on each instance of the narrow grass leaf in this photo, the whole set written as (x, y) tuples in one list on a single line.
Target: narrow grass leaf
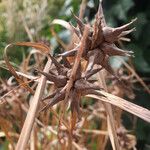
[(134, 109)]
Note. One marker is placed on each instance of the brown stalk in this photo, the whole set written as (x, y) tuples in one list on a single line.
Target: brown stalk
[(77, 62), (29, 121)]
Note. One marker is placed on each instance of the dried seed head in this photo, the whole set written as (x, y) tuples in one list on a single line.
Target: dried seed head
[(97, 48), (60, 81)]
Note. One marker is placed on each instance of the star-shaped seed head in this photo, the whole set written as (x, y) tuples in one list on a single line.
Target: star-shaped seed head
[(100, 44), (82, 85)]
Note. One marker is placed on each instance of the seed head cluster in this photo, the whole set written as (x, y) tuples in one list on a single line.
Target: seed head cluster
[(99, 45)]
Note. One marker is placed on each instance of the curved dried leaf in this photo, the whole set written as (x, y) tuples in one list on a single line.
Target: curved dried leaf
[(39, 46), (62, 23), (12, 70)]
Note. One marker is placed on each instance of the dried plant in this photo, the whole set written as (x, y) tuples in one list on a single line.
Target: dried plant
[(71, 81)]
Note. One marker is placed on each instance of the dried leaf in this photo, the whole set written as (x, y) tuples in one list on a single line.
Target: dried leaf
[(62, 23), (134, 109), (40, 46), (12, 70)]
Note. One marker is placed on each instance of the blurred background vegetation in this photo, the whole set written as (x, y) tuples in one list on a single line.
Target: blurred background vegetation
[(30, 20)]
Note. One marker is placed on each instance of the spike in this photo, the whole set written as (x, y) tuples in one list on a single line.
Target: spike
[(97, 36), (81, 25), (124, 39), (90, 63), (76, 31), (59, 80), (124, 33), (105, 64), (124, 27), (51, 95), (112, 50), (57, 98), (92, 72), (101, 14), (56, 63)]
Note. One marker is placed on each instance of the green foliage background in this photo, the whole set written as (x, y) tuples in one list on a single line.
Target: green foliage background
[(38, 15)]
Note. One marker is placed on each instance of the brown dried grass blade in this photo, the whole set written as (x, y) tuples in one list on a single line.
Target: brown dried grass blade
[(29, 121), (132, 108), (12, 70), (39, 46), (35, 78)]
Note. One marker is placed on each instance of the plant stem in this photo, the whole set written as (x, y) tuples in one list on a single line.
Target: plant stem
[(29, 121)]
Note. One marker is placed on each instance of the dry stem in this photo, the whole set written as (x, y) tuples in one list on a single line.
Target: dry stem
[(27, 127)]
